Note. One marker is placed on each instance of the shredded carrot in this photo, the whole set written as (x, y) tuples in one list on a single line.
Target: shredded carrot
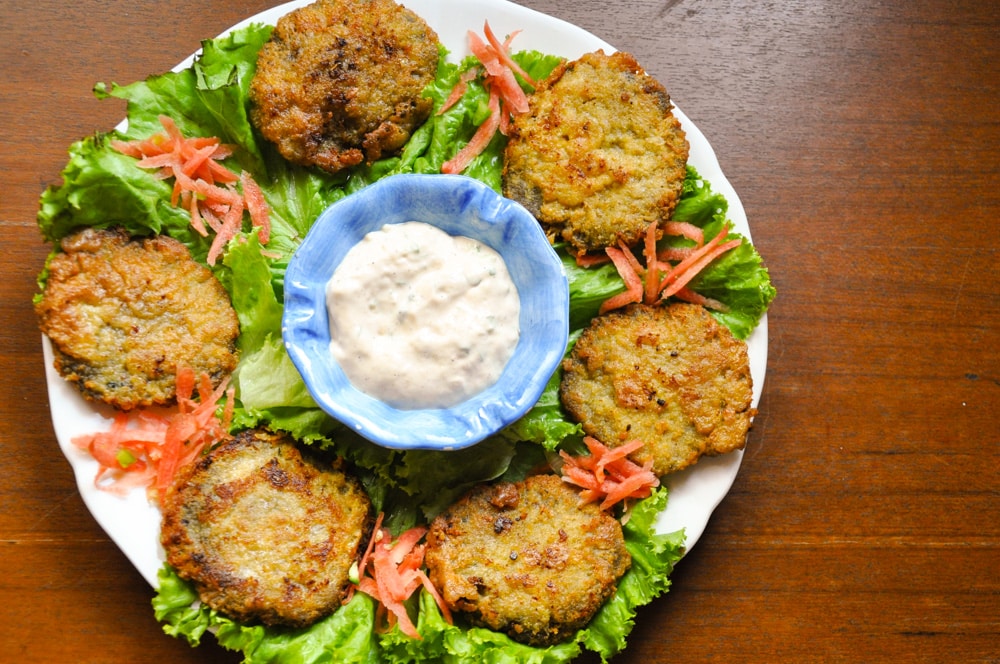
[(607, 474), (503, 53), (633, 283), (590, 260), (156, 445), (630, 258), (202, 185), (391, 570), (686, 229), (484, 134), (673, 254), (689, 295), (500, 76), (459, 90), (260, 216), (652, 265), (678, 278), (659, 278), (506, 97)]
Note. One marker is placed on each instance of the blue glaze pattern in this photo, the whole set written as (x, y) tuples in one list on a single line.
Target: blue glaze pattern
[(458, 205)]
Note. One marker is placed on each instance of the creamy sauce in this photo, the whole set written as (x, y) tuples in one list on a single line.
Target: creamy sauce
[(420, 318)]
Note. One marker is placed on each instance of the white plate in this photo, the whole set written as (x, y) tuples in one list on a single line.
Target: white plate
[(134, 525)]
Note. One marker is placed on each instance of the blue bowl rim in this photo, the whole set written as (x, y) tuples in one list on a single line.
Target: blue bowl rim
[(496, 221)]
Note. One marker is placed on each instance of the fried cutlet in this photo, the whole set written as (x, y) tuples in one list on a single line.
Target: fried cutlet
[(340, 82), (671, 376), (123, 314), (266, 533), (599, 155), (526, 558)]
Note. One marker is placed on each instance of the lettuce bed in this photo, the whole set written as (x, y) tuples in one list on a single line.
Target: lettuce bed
[(102, 188)]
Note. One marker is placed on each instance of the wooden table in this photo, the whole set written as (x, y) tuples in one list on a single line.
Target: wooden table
[(864, 140)]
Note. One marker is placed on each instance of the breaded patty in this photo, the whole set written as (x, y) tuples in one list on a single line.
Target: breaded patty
[(671, 376), (340, 82), (526, 558), (123, 314), (264, 532), (600, 155)]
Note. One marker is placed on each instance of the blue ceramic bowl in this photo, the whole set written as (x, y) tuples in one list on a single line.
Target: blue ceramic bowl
[(460, 206)]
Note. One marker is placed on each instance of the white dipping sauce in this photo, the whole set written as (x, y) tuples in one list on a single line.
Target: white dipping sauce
[(420, 318)]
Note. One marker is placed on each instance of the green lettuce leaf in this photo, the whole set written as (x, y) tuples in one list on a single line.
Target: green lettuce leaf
[(347, 635), (206, 99), (445, 133), (653, 559), (546, 423), (101, 187), (738, 278)]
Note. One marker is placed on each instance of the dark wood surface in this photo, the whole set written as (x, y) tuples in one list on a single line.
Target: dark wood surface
[(863, 138)]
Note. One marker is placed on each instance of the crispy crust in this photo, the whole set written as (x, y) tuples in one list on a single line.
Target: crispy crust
[(124, 314), (340, 82), (526, 558), (265, 533), (671, 376), (600, 155)]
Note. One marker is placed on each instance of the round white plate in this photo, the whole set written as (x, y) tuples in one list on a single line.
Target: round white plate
[(134, 524)]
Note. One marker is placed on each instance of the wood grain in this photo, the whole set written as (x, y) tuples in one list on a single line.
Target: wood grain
[(864, 141)]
